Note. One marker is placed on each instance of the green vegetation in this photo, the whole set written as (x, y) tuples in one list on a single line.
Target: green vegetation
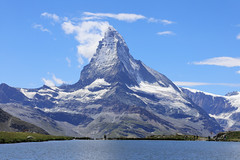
[(165, 137), (13, 124), (174, 137), (127, 128), (17, 137), (228, 136)]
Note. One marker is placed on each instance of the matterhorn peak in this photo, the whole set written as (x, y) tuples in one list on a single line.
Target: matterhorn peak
[(114, 63), (109, 32), (111, 59), (111, 47), (112, 35)]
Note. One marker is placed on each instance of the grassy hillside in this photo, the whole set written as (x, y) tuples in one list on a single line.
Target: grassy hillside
[(13, 124), (16, 137), (166, 137), (174, 137), (228, 136)]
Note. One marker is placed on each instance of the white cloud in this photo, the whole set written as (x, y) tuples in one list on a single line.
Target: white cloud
[(165, 33), (190, 84), (68, 62), (57, 80), (128, 17), (238, 36), (39, 26), (220, 61), (88, 34), (51, 16), (121, 16), (48, 82), (163, 21), (68, 27), (88, 30), (53, 82), (153, 20), (227, 84), (238, 72)]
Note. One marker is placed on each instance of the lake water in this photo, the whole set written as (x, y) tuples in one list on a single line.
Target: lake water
[(120, 150)]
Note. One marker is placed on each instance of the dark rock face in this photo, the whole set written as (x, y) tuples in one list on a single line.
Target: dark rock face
[(10, 94), (75, 119), (117, 96)]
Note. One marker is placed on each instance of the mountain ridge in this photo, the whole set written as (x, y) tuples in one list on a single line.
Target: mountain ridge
[(225, 109), (116, 95)]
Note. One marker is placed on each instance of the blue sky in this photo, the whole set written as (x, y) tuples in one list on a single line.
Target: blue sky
[(194, 43)]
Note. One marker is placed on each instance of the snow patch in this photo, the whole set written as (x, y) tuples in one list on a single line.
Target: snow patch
[(85, 95), (234, 100), (57, 109), (98, 83), (28, 94), (157, 90), (206, 93), (168, 95), (225, 116)]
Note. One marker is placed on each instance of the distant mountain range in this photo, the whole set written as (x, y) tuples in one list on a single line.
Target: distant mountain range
[(115, 96), (225, 109)]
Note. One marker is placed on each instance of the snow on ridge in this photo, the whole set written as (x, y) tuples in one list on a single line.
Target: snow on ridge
[(155, 88), (57, 109), (50, 89), (206, 93), (234, 100), (98, 83), (42, 92), (175, 100), (80, 95), (111, 50), (28, 94), (84, 94), (225, 116)]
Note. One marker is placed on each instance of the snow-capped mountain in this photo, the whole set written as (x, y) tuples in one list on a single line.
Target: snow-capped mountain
[(225, 109), (115, 96)]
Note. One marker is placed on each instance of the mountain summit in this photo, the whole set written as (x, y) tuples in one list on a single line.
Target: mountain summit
[(113, 62), (115, 96)]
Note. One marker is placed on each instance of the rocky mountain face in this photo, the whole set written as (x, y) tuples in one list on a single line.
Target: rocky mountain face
[(115, 96), (13, 124), (225, 109)]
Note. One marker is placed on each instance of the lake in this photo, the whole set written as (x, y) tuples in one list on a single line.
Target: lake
[(120, 150)]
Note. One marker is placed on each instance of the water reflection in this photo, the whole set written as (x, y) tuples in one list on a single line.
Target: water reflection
[(120, 150)]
